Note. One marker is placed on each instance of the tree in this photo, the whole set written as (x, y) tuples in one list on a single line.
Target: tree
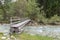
[(51, 7), (32, 9), (20, 8), (5, 8)]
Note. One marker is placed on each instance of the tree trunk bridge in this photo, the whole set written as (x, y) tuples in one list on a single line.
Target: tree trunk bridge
[(17, 27)]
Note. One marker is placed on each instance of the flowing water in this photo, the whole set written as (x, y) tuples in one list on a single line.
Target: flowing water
[(5, 28), (47, 30), (40, 29)]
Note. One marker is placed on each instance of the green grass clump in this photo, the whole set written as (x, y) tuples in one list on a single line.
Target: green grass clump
[(25, 36), (1, 36)]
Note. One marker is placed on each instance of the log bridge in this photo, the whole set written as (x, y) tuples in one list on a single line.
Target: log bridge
[(17, 27)]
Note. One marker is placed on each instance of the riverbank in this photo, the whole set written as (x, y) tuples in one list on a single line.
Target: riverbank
[(34, 23)]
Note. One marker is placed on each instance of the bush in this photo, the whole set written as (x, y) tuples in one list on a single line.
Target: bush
[(55, 18), (1, 17)]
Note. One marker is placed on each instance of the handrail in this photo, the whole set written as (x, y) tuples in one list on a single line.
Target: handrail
[(19, 24)]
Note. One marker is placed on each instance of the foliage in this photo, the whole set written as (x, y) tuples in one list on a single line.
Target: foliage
[(55, 18), (51, 7), (38, 10), (32, 9), (4, 7)]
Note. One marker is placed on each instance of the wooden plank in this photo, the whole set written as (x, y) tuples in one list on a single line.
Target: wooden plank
[(22, 23)]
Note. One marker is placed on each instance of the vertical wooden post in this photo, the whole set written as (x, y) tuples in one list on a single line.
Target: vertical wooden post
[(10, 21), (10, 24), (13, 29)]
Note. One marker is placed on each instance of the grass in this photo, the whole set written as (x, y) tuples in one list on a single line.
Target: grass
[(25, 36), (1, 36)]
